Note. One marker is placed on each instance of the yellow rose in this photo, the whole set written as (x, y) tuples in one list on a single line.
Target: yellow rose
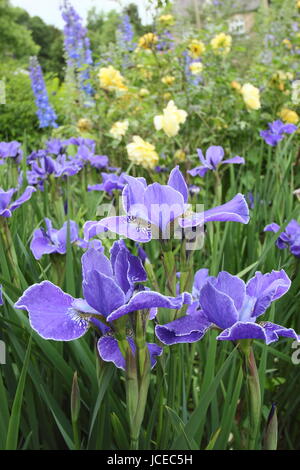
[(84, 124), (168, 80), (148, 41), (289, 116), (144, 92), (196, 68), (170, 120), (236, 85), (142, 153), (221, 44), (167, 96), (119, 129), (251, 96), (180, 155), (287, 43), (167, 19), (111, 79), (196, 48)]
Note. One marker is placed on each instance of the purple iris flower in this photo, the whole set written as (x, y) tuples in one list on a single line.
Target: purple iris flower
[(213, 158), (52, 240), (289, 238), (151, 211), (276, 132), (111, 289), (36, 155), (65, 166), (110, 182), (99, 161), (7, 207), (11, 150), (227, 303), (1, 296), (81, 141), (86, 154), (55, 146), (62, 166)]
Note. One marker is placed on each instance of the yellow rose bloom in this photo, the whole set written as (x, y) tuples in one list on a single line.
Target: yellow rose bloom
[(144, 92), (196, 48), (196, 68), (180, 155), (236, 85), (147, 41), (111, 79), (167, 19), (170, 120), (119, 129), (167, 96), (221, 44), (298, 4), (168, 80), (84, 125), (289, 116), (287, 43), (142, 153), (251, 96)]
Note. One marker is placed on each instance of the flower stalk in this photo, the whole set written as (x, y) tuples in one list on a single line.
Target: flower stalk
[(137, 379), (253, 391)]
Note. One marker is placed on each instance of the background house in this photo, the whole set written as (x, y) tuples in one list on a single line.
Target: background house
[(240, 14)]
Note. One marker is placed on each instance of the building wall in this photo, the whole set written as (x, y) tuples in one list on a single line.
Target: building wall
[(248, 18)]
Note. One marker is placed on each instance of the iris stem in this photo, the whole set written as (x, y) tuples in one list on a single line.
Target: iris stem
[(253, 391)]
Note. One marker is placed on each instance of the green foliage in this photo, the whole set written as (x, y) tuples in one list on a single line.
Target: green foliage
[(62, 395), (50, 42), (20, 108), (15, 40), (102, 28)]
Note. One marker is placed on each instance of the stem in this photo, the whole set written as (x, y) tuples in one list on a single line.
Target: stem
[(254, 394), (137, 377), (10, 250)]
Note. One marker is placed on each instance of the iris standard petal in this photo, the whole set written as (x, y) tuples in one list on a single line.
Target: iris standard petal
[(214, 155), (95, 260), (102, 293), (232, 286), (40, 244), (266, 288), (177, 182), (218, 307), (133, 193), (163, 204)]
